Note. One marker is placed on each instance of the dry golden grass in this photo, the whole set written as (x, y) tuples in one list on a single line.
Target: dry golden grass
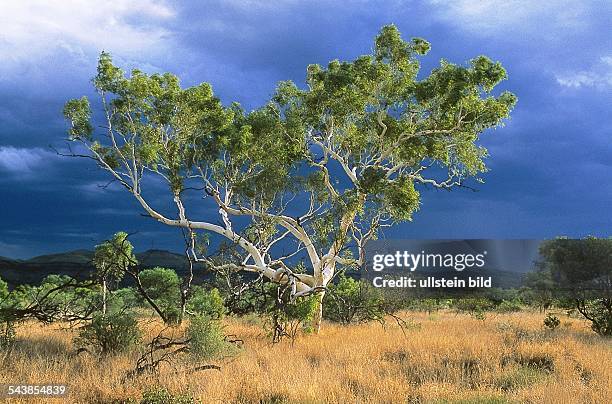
[(443, 358)]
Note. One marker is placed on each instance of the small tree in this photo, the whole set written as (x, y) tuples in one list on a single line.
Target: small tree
[(355, 147), (582, 270), (162, 285), (111, 260)]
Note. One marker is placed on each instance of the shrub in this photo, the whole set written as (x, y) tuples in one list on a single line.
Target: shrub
[(519, 378), (429, 304), (3, 290), (109, 334), (475, 306), (286, 319), (206, 338), (126, 297), (599, 313), (509, 306), (163, 287), (350, 301), (7, 335), (302, 312), (159, 395), (539, 361), (206, 303), (551, 321)]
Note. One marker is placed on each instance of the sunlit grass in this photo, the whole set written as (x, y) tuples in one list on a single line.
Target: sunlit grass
[(446, 358)]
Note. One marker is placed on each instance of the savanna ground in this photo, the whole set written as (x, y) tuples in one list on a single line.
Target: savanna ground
[(440, 358)]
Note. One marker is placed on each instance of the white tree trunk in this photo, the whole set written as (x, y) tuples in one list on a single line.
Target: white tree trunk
[(104, 290)]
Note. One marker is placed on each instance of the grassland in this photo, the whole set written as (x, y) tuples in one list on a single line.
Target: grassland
[(441, 358)]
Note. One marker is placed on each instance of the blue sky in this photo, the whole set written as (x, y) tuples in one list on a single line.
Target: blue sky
[(551, 164)]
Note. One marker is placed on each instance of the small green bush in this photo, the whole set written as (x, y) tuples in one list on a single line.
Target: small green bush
[(206, 338), (429, 305), (160, 395), (599, 313), (206, 303), (353, 301), (302, 311), (287, 319), (519, 378), (4, 292), (551, 321), (7, 335), (473, 305), (110, 334), (509, 306)]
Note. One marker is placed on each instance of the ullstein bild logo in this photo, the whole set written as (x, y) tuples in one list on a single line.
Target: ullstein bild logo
[(448, 265)]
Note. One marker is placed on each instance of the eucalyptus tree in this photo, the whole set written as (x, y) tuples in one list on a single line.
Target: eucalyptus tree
[(320, 168)]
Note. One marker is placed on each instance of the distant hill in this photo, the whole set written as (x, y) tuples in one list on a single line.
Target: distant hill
[(78, 264), (75, 257)]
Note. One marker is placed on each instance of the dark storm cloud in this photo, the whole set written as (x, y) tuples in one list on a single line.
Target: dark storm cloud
[(550, 164)]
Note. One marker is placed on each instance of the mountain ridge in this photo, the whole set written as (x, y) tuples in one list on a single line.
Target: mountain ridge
[(78, 264)]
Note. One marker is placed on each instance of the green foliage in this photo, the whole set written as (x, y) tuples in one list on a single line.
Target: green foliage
[(78, 112), (206, 303), (7, 334), (582, 274), (160, 395), (302, 312), (374, 105), (7, 325), (426, 304), (113, 257), (57, 298), (519, 378), (206, 338), (162, 285), (509, 306), (288, 318), (578, 264), (109, 334), (349, 300), (599, 313), (125, 297), (475, 306), (4, 292), (551, 321), (359, 140)]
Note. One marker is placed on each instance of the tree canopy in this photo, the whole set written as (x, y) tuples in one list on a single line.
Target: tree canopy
[(322, 167), (581, 270)]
